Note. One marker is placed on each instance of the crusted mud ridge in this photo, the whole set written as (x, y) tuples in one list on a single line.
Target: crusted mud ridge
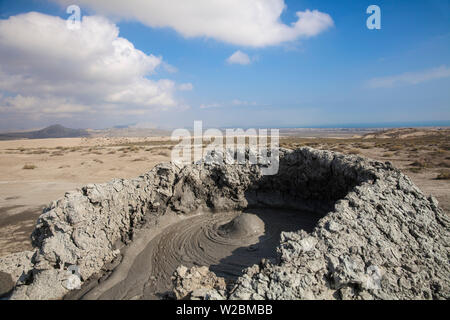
[(375, 234)]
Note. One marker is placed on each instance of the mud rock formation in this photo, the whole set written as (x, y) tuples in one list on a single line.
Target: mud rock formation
[(198, 283), (14, 268), (244, 226), (379, 237), (18, 265)]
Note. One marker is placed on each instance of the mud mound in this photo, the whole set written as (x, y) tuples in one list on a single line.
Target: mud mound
[(243, 226), (370, 233)]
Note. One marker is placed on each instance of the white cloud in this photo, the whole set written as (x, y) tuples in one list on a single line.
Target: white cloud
[(239, 57), (169, 68), (47, 68), (254, 23), (410, 78), (233, 103), (211, 105), (237, 102), (186, 87), (51, 105)]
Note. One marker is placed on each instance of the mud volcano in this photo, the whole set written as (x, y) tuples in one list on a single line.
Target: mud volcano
[(328, 226)]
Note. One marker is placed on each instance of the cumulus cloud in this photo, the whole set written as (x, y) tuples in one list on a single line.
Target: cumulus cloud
[(410, 78), (30, 104), (47, 68), (239, 57), (254, 23)]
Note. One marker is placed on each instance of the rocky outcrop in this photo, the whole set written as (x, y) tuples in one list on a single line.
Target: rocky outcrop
[(379, 237), (18, 265), (14, 269), (383, 240), (198, 283), (83, 228)]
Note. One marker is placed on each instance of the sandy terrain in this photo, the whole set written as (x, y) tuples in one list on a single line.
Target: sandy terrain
[(57, 166), (35, 172)]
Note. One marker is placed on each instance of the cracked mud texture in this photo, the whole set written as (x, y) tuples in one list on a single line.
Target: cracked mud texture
[(377, 235)]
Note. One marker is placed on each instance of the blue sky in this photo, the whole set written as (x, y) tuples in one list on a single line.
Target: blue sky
[(346, 74)]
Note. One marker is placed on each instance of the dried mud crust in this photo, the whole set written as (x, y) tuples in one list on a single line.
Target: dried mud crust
[(372, 217)]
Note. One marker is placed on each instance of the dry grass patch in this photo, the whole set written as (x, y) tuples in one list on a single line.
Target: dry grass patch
[(421, 163), (29, 166), (164, 153), (395, 148), (444, 164), (415, 170), (75, 149), (131, 148), (140, 159), (57, 154), (444, 175), (37, 151)]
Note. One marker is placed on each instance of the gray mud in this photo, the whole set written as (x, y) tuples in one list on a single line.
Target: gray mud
[(226, 242)]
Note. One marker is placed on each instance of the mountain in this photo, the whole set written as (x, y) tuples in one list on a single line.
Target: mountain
[(54, 131)]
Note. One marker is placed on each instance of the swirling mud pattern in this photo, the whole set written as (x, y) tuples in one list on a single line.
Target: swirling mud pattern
[(226, 242)]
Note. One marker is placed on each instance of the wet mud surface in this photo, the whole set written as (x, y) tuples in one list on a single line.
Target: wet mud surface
[(226, 242)]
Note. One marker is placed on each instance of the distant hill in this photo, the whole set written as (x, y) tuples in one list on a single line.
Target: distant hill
[(405, 133), (128, 132), (55, 131)]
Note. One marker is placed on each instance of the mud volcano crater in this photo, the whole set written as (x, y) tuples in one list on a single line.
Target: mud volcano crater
[(331, 227)]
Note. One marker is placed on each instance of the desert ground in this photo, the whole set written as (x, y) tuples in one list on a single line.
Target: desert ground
[(35, 172)]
